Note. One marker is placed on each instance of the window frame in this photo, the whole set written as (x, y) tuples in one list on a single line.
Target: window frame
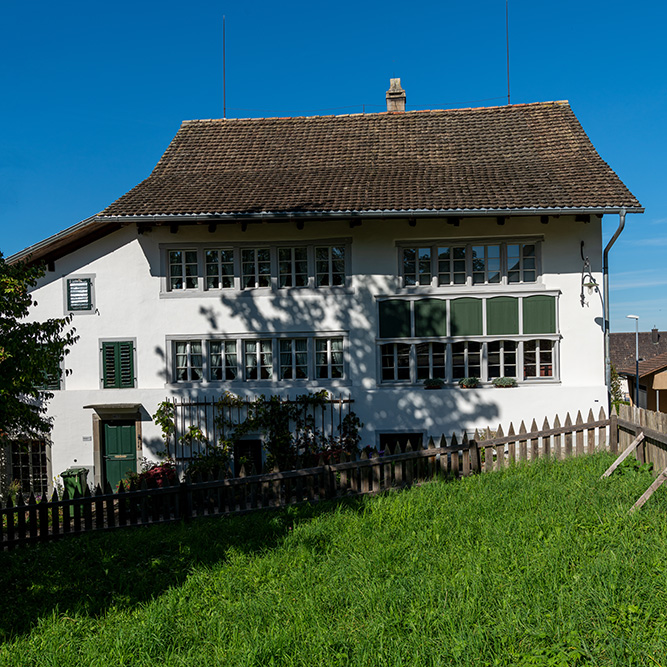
[(435, 246), (92, 305), (483, 338), (273, 261), (242, 358)]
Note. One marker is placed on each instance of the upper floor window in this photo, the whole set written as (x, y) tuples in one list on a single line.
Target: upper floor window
[(244, 267), (329, 265), (440, 265), (219, 268), (183, 269), (79, 294)]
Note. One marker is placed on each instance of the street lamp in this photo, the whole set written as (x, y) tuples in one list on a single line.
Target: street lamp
[(636, 319)]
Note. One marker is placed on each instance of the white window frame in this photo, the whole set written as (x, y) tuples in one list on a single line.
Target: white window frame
[(435, 245), (92, 306), (242, 358), (273, 261)]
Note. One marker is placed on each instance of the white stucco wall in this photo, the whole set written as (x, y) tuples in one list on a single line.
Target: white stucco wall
[(130, 304)]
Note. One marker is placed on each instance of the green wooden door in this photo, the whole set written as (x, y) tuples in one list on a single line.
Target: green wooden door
[(120, 451)]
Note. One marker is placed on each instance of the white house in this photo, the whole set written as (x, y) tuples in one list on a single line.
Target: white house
[(360, 254)]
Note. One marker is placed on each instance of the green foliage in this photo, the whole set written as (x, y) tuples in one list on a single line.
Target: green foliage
[(213, 463), (434, 383), (29, 353), (164, 418), (469, 383), (504, 382), (291, 434), (615, 391)]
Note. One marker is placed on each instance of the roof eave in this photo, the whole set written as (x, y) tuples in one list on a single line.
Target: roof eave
[(383, 213)]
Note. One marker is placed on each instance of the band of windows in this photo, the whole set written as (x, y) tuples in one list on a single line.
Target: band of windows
[(452, 361), (258, 359), (441, 265), (226, 268)]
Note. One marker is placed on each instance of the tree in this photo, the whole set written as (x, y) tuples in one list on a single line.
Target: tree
[(30, 354)]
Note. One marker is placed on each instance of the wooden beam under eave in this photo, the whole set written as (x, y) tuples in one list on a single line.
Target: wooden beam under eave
[(173, 228), (212, 226)]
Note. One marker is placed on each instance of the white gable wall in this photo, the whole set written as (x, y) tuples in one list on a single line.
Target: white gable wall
[(131, 304)]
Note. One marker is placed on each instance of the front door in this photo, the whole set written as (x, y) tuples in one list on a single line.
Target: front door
[(120, 450)]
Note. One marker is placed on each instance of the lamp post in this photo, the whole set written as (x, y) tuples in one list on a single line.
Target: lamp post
[(636, 319)]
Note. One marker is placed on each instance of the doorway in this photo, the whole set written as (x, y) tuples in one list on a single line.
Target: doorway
[(119, 450)]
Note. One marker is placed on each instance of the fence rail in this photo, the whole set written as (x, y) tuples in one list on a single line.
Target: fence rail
[(40, 521)]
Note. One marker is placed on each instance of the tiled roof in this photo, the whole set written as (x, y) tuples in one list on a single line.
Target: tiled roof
[(497, 158), (648, 366), (622, 349)]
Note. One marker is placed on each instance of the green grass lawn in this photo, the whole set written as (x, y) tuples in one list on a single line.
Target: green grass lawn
[(536, 565)]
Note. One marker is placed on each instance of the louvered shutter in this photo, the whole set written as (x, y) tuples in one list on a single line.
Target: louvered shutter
[(118, 364), (79, 294)]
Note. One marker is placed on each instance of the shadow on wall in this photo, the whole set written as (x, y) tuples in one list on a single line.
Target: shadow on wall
[(347, 312)]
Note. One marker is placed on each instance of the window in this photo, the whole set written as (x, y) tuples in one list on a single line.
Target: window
[(223, 360), (395, 362), (276, 358), (431, 360), (466, 360), (117, 364), (329, 265), (29, 466), (293, 359), (435, 265), (538, 358), (453, 338), (293, 267), (502, 359), (258, 359), (328, 358), (188, 361), (80, 294), (299, 265), (255, 267), (183, 270), (219, 268)]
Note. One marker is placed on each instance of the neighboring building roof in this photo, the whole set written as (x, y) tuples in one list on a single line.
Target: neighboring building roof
[(647, 367), (526, 156), (622, 349)]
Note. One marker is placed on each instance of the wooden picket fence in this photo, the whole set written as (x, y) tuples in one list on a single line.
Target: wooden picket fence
[(40, 521)]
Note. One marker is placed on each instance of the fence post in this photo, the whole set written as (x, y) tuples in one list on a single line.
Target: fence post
[(613, 432), (184, 501), (475, 460)]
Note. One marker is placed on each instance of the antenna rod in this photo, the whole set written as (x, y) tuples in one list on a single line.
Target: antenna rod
[(224, 86), (507, 40)]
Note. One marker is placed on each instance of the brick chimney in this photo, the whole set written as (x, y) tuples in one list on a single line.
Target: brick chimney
[(654, 336), (395, 96)]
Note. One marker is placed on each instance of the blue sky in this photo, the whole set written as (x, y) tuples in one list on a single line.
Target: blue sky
[(93, 93)]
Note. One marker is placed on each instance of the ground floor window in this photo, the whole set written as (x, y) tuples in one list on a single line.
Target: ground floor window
[(244, 359), (29, 466), (523, 360)]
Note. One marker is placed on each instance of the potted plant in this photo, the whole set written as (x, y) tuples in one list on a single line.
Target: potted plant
[(504, 382), (433, 383), (469, 383)]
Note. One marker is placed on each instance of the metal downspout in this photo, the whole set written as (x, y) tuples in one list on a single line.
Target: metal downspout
[(605, 297)]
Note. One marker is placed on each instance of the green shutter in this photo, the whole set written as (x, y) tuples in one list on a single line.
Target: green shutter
[(430, 317), (79, 294), (395, 319), (502, 315), (118, 364), (466, 317), (539, 314)]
